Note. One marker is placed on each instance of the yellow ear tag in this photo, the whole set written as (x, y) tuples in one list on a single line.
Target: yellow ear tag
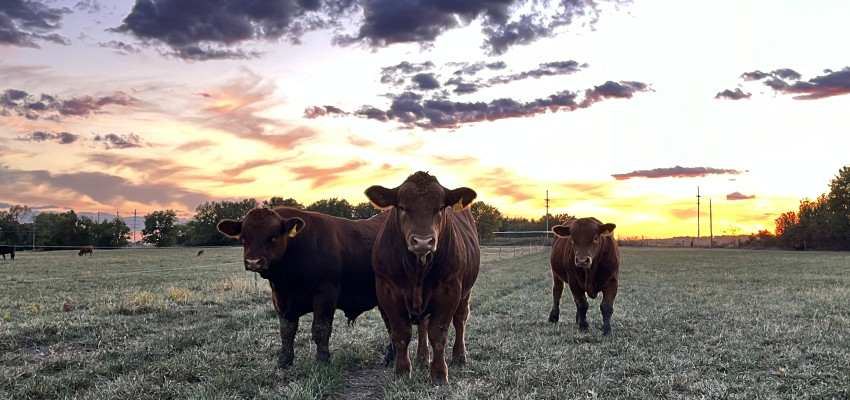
[(459, 205), (607, 233), (292, 232)]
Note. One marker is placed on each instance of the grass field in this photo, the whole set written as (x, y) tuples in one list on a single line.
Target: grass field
[(688, 323)]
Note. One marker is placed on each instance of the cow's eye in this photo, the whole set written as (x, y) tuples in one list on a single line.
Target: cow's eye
[(400, 208), (595, 238)]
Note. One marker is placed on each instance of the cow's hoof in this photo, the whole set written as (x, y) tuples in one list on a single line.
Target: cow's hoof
[(554, 316), (323, 358), (439, 380), (606, 332), (583, 327), (389, 356), (284, 362), (460, 361)]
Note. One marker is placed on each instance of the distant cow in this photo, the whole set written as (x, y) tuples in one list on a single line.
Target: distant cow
[(10, 250), (314, 263), (86, 250), (585, 256), (426, 260), (200, 253)]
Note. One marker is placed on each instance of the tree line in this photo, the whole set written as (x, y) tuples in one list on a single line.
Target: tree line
[(163, 229), (820, 224)]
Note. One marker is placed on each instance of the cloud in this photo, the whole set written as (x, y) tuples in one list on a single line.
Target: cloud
[(326, 177), (120, 47), (205, 30), (238, 107), (412, 109), (790, 82), (194, 145), (739, 196), (101, 187), (24, 23), (23, 104), (676, 172), (316, 112), (737, 94), (115, 141), (41, 136)]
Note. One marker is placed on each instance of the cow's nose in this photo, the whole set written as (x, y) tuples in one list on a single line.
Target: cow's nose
[(422, 244), (255, 264), (583, 261)]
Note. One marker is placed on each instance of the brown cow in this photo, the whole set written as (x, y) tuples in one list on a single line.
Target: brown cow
[(314, 263), (426, 260), (200, 253), (586, 256), (10, 250), (86, 250)]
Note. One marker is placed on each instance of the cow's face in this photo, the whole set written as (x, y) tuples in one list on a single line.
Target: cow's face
[(264, 234), (420, 205), (585, 235)]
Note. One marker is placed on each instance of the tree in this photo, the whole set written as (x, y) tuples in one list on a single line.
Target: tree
[(838, 202), (334, 206), (201, 230), (159, 228), (12, 231), (114, 233), (488, 219), (365, 210), (277, 201), (64, 229)]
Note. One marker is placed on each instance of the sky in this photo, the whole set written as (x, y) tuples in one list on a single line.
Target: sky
[(620, 110)]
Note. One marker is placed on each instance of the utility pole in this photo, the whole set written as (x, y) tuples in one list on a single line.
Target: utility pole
[(134, 226), (697, 215)]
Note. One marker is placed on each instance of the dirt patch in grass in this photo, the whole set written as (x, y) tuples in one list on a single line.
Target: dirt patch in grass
[(364, 383)]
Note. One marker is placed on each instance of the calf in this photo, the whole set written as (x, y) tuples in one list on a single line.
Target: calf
[(586, 256), (86, 250), (314, 263), (426, 260), (10, 250)]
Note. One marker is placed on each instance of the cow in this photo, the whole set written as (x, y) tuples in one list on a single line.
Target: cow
[(10, 250), (200, 253), (86, 250), (314, 263), (426, 259), (586, 257)]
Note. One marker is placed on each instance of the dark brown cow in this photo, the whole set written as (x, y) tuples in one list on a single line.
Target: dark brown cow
[(585, 256), (314, 263), (86, 250), (426, 260), (10, 250), (200, 253)]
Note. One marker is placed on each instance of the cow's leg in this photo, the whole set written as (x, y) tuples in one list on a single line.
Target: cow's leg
[(607, 307), (557, 291), (459, 322), (288, 328), (402, 330), (438, 334), (423, 357), (323, 319), (390, 352)]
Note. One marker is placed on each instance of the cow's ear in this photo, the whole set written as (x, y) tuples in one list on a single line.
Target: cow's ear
[(561, 230), (292, 226), (230, 228), (381, 197), (607, 229), (460, 198)]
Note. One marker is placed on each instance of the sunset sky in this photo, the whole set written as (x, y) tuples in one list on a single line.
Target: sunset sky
[(620, 109)]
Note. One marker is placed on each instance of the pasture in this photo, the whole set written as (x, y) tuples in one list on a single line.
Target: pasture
[(688, 323)]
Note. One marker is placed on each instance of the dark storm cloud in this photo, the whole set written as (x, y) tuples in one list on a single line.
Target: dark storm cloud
[(412, 109), (425, 81), (736, 94), (676, 172), (24, 23), (115, 141), (23, 104), (790, 82), (204, 29), (739, 196), (59, 137)]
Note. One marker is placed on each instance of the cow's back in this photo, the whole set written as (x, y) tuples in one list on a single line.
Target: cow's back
[(333, 251)]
